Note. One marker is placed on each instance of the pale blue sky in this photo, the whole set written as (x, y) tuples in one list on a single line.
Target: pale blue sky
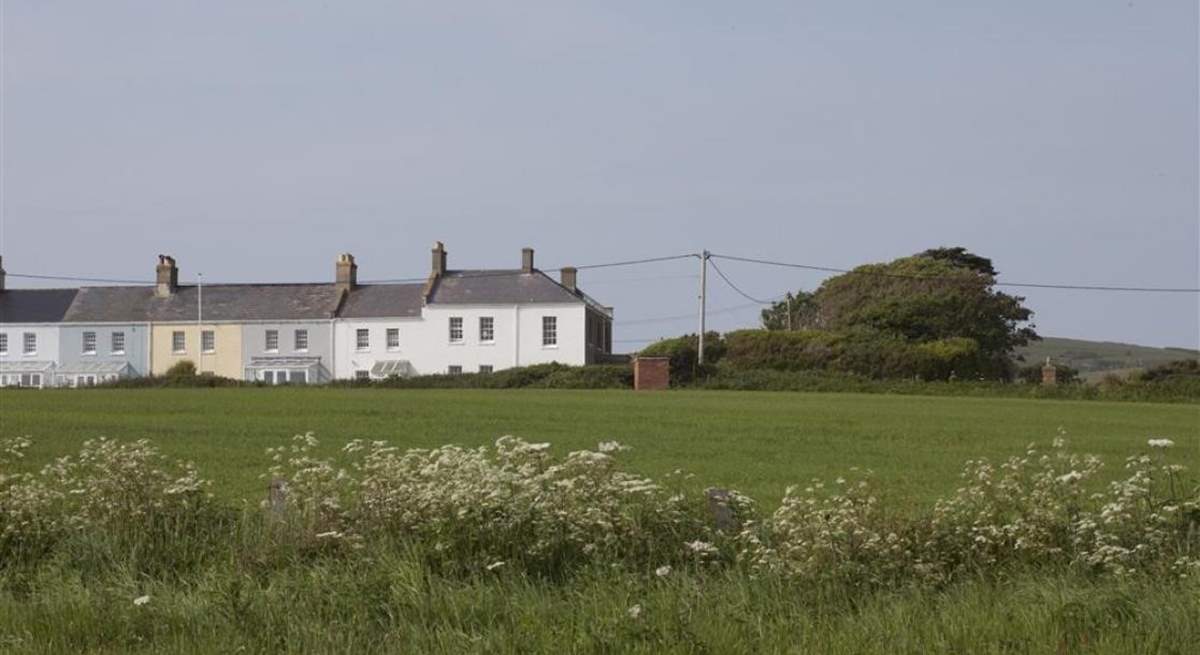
[(256, 140)]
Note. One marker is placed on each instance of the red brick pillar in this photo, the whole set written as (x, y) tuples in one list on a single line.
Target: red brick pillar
[(651, 373), (1049, 374)]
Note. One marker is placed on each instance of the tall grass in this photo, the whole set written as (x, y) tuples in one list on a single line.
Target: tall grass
[(512, 549)]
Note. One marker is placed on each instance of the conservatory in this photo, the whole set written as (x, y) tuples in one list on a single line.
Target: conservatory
[(286, 370), (37, 374), (86, 374)]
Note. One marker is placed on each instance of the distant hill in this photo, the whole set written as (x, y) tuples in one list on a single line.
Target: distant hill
[(1094, 358)]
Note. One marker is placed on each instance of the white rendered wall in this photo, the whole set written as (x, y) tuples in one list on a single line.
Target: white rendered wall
[(425, 342), (47, 342)]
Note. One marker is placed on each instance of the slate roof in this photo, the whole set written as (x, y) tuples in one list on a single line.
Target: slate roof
[(282, 302), (383, 300), (34, 305), (222, 302), (501, 287)]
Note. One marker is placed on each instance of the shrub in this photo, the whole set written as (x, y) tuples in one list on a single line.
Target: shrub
[(182, 368), (540, 376), (202, 380), (684, 355), (1172, 371), (860, 352)]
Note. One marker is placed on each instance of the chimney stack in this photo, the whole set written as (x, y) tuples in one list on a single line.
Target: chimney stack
[(439, 259), (1, 275), (526, 260), (570, 277), (347, 273), (167, 277)]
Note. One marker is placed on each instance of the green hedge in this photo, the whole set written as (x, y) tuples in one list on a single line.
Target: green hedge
[(866, 353), (729, 378), (684, 354), (540, 376)]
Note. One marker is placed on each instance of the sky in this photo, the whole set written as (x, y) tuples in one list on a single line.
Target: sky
[(255, 141)]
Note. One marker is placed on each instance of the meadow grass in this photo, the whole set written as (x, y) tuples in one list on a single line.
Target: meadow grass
[(389, 603), (756, 442), (233, 579)]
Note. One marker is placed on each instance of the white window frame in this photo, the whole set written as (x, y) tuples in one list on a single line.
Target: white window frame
[(454, 369), (487, 368), (456, 329), (300, 335), (282, 376), (89, 339), (362, 374), (362, 340), (392, 339), (487, 333), (178, 342), (117, 342), (550, 331), (211, 337), (3, 343), (29, 343), (271, 341)]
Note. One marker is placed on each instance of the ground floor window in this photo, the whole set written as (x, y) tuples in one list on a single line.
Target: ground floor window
[(362, 375), (485, 368), (285, 376), (454, 369), (27, 380)]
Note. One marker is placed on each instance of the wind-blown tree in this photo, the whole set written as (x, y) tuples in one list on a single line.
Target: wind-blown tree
[(944, 293)]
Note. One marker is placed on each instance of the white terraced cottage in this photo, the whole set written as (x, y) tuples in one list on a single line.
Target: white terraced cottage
[(467, 321), (457, 321)]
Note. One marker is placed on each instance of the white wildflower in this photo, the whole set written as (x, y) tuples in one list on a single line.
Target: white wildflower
[(663, 571), (1068, 478), (610, 447), (634, 612), (1160, 443), (332, 534), (495, 565), (141, 600)]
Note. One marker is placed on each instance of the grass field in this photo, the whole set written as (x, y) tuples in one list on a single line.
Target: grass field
[(756, 442), (240, 589)]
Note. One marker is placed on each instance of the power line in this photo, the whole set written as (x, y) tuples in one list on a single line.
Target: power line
[(1073, 287), (637, 261), (70, 278), (735, 287), (691, 316), (460, 275)]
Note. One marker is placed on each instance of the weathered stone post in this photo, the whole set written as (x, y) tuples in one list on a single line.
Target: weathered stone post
[(722, 513), (277, 493)]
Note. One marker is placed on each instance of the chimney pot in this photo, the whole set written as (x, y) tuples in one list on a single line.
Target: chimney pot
[(166, 277), (346, 273), (526, 260), (570, 278)]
